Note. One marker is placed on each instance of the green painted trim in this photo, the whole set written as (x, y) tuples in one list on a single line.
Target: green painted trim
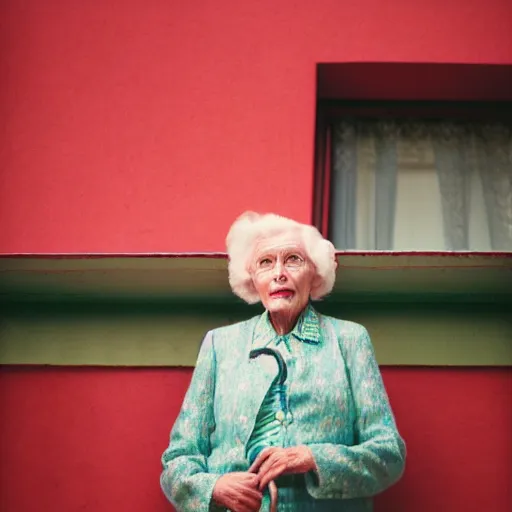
[(420, 309), (373, 274), (169, 334)]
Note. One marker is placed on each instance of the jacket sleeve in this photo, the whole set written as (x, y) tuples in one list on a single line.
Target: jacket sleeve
[(377, 459), (185, 479)]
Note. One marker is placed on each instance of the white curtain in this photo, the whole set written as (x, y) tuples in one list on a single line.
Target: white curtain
[(425, 185)]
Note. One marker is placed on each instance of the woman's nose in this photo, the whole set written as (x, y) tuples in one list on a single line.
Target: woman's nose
[(279, 272)]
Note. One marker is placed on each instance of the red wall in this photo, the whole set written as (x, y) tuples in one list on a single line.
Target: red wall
[(91, 439), (127, 123), (137, 126)]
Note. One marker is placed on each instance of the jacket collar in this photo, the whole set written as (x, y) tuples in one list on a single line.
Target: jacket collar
[(307, 330)]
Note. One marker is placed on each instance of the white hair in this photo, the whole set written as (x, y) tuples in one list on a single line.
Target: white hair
[(251, 227)]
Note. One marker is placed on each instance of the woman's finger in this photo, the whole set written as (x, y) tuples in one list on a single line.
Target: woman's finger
[(273, 473), (241, 507), (251, 502), (267, 452), (252, 493), (245, 507), (269, 461), (273, 460), (251, 479)]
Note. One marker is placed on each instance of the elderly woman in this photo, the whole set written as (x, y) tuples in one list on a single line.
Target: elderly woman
[(288, 407)]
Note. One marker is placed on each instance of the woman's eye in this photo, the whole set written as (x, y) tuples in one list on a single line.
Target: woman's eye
[(294, 259), (265, 262)]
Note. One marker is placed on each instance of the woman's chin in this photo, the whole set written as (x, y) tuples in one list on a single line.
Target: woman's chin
[(282, 306)]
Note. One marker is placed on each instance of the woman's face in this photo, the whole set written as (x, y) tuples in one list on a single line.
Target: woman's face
[(282, 274)]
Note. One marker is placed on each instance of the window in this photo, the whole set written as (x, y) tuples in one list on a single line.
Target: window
[(415, 177)]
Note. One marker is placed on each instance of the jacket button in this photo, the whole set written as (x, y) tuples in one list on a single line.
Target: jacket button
[(280, 416)]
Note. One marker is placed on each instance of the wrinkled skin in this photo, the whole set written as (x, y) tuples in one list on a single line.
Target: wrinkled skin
[(243, 492), (283, 277), (274, 462), (238, 492)]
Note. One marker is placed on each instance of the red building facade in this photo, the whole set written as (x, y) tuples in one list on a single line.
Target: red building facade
[(142, 127)]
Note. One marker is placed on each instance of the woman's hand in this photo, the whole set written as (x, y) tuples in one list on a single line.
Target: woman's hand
[(238, 492), (274, 462)]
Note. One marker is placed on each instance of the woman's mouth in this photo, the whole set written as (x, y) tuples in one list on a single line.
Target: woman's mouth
[(282, 294)]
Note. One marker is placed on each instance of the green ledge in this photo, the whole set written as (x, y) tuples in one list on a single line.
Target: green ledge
[(420, 309)]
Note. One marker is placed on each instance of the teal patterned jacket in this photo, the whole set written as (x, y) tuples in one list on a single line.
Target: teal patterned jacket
[(338, 404)]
